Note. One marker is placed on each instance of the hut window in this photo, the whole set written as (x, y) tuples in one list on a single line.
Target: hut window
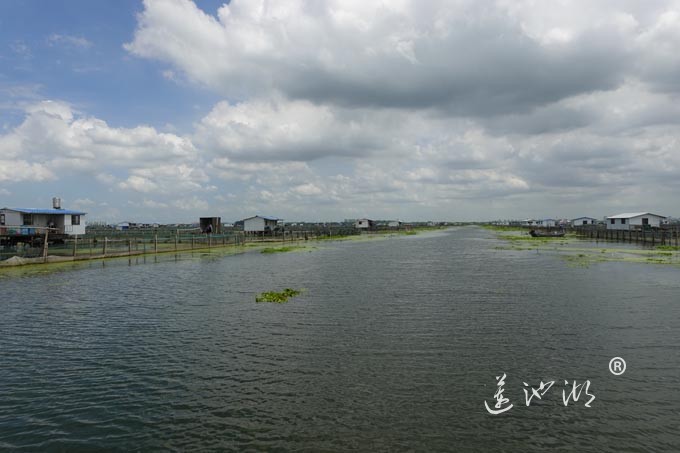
[(2, 219), (75, 220), (645, 221), (612, 221), (28, 219), (623, 221)]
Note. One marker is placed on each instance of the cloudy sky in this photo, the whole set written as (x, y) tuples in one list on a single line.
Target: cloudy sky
[(165, 110)]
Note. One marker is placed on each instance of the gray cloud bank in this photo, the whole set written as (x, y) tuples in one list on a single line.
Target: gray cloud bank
[(441, 109)]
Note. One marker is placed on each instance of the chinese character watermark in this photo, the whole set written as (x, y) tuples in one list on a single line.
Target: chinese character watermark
[(502, 403), (570, 393)]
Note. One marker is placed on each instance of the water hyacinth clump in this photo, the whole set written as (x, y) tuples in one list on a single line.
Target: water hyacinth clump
[(277, 297)]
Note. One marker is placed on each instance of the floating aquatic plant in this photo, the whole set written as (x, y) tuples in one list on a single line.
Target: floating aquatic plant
[(277, 297)]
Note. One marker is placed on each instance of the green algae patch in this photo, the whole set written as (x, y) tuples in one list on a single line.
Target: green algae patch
[(584, 259), (579, 260), (576, 253), (562, 240), (278, 249), (277, 297), (284, 249)]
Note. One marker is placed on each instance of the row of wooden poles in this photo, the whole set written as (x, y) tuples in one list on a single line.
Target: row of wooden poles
[(652, 237), (194, 242)]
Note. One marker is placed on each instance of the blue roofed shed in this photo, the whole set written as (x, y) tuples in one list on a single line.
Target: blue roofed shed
[(29, 221)]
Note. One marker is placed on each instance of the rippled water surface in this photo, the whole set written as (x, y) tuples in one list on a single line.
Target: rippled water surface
[(393, 346)]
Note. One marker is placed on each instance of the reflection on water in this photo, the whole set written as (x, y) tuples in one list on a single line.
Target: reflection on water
[(393, 346)]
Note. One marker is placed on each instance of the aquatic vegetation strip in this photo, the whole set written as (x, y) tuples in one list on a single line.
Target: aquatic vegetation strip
[(579, 252), (278, 297), (284, 249), (278, 249), (166, 246)]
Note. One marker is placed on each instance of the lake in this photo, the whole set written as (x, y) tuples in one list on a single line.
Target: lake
[(394, 345)]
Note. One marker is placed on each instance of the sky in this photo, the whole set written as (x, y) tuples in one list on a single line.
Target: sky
[(167, 110)]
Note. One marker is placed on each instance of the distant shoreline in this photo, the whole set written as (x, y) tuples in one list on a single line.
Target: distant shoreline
[(18, 261)]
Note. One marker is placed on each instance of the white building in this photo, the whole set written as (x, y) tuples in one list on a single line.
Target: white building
[(545, 223), (634, 221), (260, 224), (580, 221), (25, 221), (364, 224), (394, 223)]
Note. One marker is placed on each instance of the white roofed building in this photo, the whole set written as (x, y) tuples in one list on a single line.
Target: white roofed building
[(580, 221), (260, 224), (634, 221), (545, 223)]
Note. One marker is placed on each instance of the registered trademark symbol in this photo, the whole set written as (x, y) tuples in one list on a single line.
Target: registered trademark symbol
[(617, 366)]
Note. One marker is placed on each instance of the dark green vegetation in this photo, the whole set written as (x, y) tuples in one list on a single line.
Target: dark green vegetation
[(277, 297)]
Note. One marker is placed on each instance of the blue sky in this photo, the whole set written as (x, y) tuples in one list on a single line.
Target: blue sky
[(73, 50), (166, 110)]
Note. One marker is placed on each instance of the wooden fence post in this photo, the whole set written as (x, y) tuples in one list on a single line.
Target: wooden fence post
[(105, 241), (75, 246), (45, 246)]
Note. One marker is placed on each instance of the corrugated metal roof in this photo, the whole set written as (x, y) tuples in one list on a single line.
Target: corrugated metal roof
[(630, 215), (263, 217), (46, 211)]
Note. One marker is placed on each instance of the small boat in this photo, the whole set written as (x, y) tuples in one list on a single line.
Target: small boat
[(546, 234)]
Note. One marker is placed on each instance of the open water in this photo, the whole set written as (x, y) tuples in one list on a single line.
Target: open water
[(394, 345)]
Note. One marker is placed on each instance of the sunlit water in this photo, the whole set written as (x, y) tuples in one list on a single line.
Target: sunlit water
[(393, 346)]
